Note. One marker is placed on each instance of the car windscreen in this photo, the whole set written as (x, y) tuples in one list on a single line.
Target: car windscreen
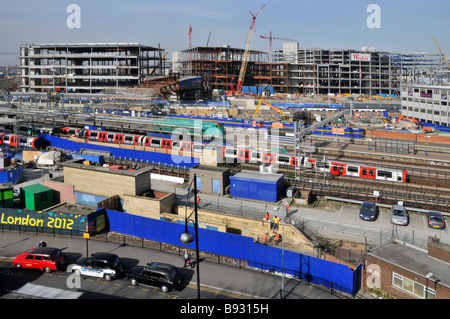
[(56, 254), (115, 262), (173, 273), (397, 212), (368, 209)]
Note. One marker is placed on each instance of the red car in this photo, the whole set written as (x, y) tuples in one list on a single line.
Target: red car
[(44, 258)]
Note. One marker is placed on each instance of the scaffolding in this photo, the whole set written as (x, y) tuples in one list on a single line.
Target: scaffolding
[(220, 66), (87, 67)]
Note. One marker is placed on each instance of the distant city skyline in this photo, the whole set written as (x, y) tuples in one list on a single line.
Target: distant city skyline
[(405, 26)]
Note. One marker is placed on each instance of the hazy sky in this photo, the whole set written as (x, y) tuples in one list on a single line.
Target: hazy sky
[(406, 25)]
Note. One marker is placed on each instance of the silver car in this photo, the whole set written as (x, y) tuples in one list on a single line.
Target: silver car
[(399, 215)]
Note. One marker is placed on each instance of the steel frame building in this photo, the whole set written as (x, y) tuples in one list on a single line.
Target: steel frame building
[(87, 67)]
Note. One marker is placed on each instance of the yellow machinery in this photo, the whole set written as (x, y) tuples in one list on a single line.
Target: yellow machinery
[(282, 116)]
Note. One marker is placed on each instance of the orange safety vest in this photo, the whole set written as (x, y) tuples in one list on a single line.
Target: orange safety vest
[(267, 216), (198, 200), (276, 236), (265, 237)]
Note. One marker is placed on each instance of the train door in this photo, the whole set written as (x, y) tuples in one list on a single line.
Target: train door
[(102, 137), (147, 142), (293, 161), (118, 138), (367, 172), (14, 141), (268, 158), (338, 169), (136, 140), (166, 144), (186, 146), (1, 138), (244, 155)]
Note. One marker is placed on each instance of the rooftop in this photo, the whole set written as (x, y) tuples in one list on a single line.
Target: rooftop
[(414, 259), (253, 175)]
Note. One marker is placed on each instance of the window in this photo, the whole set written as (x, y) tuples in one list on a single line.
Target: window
[(46, 258), (29, 257), (352, 169), (385, 174), (412, 287)]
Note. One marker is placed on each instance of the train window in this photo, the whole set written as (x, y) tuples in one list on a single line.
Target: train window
[(155, 141), (230, 151), (384, 174), (370, 172), (110, 135), (128, 138), (283, 159), (352, 169), (364, 172)]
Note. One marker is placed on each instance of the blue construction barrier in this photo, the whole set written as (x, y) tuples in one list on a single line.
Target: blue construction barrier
[(314, 270), (124, 153)]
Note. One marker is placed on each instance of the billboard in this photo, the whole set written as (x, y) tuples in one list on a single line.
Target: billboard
[(364, 57), (93, 222)]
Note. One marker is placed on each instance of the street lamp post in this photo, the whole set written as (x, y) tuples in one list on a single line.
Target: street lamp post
[(186, 237)]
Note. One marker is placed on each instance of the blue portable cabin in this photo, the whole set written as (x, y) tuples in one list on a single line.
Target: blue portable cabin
[(257, 186)]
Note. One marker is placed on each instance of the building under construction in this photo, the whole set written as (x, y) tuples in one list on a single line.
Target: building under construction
[(87, 67), (220, 67)]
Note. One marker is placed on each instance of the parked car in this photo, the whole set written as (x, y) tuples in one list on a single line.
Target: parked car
[(103, 265), (435, 220), (164, 276), (368, 211), (47, 259), (399, 215)]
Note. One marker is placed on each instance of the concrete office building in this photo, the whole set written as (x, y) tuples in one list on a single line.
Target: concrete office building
[(426, 103), (87, 67)]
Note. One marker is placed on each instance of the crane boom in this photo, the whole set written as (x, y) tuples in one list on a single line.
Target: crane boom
[(441, 53), (248, 44), (271, 38)]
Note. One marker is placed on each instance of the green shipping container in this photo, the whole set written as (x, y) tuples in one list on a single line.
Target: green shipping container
[(6, 195), (36, 197)]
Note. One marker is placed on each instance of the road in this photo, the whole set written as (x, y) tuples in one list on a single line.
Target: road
[(217, 281), (335, 221)]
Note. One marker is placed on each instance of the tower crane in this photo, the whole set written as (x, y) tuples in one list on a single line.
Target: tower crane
[(248, 44), (441, 53), (271, 38)]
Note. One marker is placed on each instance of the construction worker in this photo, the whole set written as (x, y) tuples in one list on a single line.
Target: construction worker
[(267, 216), (276, 238), (198, 200), (275, 222), (265, 240)]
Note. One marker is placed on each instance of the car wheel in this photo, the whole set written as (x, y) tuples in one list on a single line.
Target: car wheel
[(107, 277), (47, 270), (165, 289), (133, 281), (18, 266)]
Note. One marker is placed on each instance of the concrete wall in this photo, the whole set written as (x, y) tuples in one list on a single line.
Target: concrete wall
[(106, 182), (256, 229)]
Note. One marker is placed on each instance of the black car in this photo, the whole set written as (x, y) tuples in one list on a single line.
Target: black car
[(155, 274)]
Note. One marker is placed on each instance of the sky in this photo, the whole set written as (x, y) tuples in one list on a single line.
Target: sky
[(404, 25)]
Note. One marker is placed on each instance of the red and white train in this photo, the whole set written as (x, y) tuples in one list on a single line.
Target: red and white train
[(232, 154), (21, 141)]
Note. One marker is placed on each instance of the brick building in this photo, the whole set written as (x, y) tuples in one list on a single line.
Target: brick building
[(407, 272)]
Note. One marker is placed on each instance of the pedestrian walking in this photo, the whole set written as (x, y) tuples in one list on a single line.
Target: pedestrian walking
[(42, 244), (187, 259)]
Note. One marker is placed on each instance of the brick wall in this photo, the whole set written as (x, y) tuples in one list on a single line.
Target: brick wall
[(386, 272), (439, 251)]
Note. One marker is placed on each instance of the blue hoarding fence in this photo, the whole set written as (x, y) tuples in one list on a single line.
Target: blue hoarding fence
[(123, 153), (310, 269)]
